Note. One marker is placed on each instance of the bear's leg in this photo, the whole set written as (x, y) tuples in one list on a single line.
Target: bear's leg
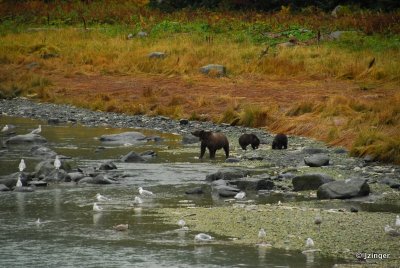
[(226, 149), (212, 152), (202, 150)]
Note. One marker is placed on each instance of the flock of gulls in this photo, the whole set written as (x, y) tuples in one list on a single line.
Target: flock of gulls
[(201, 237)]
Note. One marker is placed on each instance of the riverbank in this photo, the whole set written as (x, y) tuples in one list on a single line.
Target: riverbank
[(342, 233)]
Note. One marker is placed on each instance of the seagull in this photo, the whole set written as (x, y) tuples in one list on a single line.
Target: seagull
[(19, 182), (97, 207), (57, 163), (240, 195), (309, 243), (22, 165), (121, 227), (144, 192), (262, 234), (37, 131), (203, 237), (137, 200), (279, 203), (102, 197), (318, 221), (397, 224), (5, 128), (391, 231), (38, 221), (181, 223)]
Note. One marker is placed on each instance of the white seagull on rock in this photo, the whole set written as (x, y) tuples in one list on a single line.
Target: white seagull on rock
[(22, 165), (181, 223), (145, 192), (100, 197), (5, 128), (19, 182), (203, 237), (240, 195), (37, 131), (397, 224), (57, 163), (391, 231), (262, 234), (97, 207), (309, 243)]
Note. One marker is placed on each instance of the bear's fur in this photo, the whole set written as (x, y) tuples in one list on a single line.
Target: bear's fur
[(247, 139), (212, 141), (280, 142)]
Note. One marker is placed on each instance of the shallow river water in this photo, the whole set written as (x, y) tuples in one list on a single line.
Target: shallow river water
[(71, 234)]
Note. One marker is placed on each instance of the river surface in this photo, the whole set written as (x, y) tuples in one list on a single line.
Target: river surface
[(71, 234)]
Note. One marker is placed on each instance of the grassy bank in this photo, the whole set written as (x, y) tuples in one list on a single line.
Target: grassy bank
[(343, 91)]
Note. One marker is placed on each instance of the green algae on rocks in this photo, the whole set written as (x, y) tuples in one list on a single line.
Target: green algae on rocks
[(341, 234)]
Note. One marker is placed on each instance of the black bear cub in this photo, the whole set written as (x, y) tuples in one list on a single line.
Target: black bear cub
[(280, 142), (247, 139), (212, 141)]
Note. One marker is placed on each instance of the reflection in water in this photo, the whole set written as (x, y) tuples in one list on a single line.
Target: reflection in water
[(309, 259), (57, 201), (202, 252), (138, 211), (21, 204), (262, 251), (97, 217)]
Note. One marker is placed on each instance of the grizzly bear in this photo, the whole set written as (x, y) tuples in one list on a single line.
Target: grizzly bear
[(212, 141), (280, 141), (247, 139)]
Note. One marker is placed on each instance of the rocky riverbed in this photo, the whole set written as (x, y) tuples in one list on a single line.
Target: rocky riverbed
[(307, 178)]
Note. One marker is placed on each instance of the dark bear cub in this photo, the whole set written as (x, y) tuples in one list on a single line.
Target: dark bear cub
[(280, 142), (247, 139), (212, 141)]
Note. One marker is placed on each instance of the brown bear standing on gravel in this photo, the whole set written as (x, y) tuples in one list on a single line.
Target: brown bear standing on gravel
[(247, 139), (212, 141), (280, 141)]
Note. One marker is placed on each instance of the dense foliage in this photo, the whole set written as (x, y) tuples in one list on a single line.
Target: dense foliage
[(273, 5)]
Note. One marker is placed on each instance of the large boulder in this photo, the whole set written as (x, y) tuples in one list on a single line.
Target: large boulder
[(124, 138), (103, 179), (11, 180), (254, 183), (132, 157), (4, 188), (317, 160), (42, 152), (107, 166), (344, 189), (228, 174), (227, 191), (216, 69), (310, 181), (156, 55), (57, 176), (391, 183), (26, 139), (46, 167), (76, 176)]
